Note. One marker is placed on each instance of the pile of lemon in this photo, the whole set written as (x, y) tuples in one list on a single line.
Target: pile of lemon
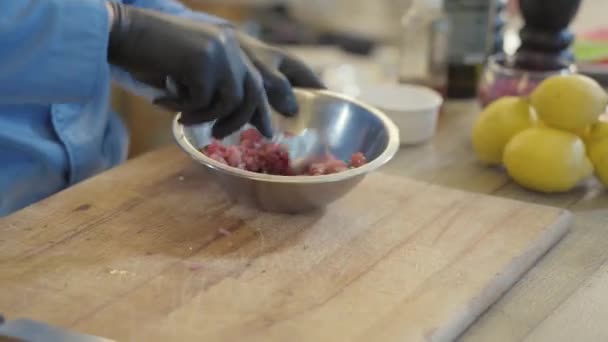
[(551, 140)]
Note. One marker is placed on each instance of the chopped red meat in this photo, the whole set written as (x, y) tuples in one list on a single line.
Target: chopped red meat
[(358, 159), (218, 158), (216, 146), (316, 169), (254, 154), (234, 156), (326, 166), (251, 135)]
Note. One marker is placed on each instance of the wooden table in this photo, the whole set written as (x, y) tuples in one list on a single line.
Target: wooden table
[(562, 298), (562, 286)]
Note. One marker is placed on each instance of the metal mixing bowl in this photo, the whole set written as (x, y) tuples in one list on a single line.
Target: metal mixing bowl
[(327, 121)]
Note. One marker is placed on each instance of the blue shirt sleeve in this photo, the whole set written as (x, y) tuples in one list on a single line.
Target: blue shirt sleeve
[(52, 51)]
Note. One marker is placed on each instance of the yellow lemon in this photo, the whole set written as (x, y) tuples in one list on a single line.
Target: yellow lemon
[(598, 153), (495, 126), (583, 133), (547, 159), (569, 102), (597, 132)]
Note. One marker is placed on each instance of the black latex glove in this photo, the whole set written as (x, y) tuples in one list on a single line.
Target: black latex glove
[(215, 78), (280, 72)]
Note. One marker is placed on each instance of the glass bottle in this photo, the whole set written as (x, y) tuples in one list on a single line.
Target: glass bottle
[(423, 46), (476, 33)]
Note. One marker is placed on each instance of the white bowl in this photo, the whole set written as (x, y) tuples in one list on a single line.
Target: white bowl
[(414, 109)]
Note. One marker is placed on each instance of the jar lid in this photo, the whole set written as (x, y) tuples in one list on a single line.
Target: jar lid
[(432, 4)]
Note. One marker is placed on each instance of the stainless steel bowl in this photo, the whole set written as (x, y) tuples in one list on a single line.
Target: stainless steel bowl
[(327, 121)]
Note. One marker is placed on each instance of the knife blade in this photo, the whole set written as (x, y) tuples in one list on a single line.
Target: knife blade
[(26, 330)]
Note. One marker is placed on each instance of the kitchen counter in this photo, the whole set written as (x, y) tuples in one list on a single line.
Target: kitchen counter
[(557, 300), (562, 298)]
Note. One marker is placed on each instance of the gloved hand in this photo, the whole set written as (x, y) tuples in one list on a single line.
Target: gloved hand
[(215, 78), (280, 72), (173, 7)]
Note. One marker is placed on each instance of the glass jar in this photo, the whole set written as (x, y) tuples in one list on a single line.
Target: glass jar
[(476, 33), (423, 46), (500, 78)]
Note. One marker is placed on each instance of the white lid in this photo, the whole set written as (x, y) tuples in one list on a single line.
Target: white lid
[(432, 4), (400, 97)]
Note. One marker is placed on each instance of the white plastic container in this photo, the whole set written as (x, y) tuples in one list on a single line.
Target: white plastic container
[(413, 108)]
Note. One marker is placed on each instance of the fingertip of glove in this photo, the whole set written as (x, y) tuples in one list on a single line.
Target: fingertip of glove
[(220, 131), (290, 107), (218, 135), (261, 121), (167, 102), (191, 118), (316, 83), (226, 126), (265, 130), (285, 103)]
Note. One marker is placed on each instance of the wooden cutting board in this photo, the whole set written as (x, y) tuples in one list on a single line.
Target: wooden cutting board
[(153, 251)]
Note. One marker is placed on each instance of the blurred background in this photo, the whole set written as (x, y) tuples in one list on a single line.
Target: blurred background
[(349, 42)]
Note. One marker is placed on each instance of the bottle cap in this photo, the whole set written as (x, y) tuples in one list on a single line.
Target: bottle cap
[(432, 4)]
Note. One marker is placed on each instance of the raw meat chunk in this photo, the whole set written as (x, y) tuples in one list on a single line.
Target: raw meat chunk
[(255, 154)]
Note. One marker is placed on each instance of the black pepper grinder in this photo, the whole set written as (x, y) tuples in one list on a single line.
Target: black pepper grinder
[(545, 37)]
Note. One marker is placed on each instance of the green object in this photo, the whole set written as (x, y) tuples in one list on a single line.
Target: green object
[(590, 50)]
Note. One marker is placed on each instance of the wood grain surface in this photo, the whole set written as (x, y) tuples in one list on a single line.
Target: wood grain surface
[(581, 317), (153, 251), (449, 161), (562, 298)]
